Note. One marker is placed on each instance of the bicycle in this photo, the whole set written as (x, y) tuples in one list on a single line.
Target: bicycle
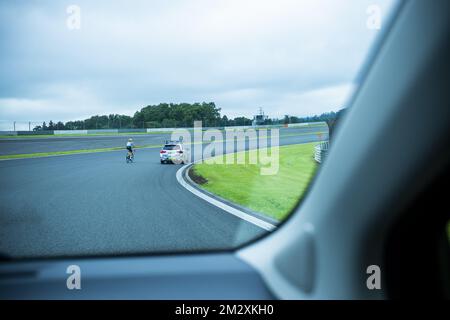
[(130, 157)]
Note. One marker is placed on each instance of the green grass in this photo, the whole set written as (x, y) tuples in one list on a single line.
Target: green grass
[(273, 195), (69, 152)]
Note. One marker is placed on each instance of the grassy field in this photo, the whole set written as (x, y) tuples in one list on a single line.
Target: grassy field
[(273, 195)]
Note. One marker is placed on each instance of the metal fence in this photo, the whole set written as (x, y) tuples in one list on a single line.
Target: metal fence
[(321, 151), (7, 125)]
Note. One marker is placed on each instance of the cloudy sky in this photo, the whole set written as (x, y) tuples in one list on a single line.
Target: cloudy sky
[(288, 57)]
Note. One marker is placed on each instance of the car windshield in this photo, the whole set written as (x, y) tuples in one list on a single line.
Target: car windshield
[(254, 89)]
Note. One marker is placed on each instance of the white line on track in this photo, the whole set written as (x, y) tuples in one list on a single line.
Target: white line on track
[(236, 212)]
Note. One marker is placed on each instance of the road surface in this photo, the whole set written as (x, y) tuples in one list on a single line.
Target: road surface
[(96, 204)]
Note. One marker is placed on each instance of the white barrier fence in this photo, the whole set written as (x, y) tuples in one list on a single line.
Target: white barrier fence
[(149, 130), (70, 132), (321, 151)]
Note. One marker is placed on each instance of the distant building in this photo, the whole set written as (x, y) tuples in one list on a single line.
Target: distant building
[(260, 118)]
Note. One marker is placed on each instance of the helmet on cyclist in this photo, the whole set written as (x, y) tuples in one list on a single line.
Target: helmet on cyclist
[(130, 139)]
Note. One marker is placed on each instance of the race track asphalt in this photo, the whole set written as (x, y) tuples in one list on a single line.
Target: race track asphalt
[(96, 204), (19, 145)]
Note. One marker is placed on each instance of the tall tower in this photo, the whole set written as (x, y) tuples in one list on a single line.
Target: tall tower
[(260, 118)]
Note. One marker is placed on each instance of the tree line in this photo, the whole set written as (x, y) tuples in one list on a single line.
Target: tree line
[(172, 115), (324, 117)]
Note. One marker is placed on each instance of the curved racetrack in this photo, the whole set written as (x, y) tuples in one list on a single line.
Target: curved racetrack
[(95, 204)]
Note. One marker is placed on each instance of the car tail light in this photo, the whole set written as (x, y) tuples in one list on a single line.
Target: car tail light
[(162, 151)]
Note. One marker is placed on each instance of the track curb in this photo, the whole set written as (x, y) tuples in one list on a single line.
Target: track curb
[(246, 214)]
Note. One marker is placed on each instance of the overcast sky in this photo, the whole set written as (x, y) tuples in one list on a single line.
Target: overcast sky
[(288, 57)]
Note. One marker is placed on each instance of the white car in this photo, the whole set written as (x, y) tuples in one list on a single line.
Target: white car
[(173, 152)]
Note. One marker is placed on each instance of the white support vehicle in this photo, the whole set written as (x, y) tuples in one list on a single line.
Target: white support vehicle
[(173, 152)]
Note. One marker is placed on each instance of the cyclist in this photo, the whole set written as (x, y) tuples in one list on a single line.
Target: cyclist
[(130, 146)]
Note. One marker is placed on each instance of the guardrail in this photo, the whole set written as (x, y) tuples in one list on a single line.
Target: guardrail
[(321, 151)]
